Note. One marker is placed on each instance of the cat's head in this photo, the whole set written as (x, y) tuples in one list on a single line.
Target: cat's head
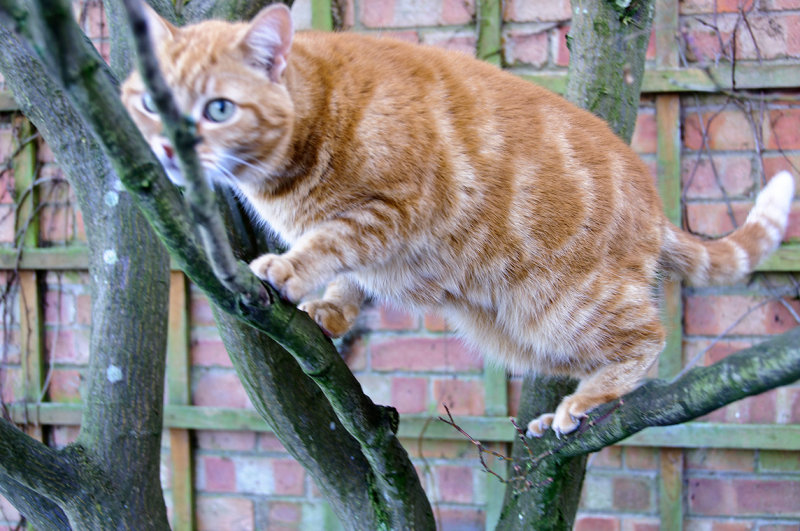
[(229, 78)]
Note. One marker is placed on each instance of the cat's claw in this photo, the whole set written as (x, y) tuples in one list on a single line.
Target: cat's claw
[(281, 275), (538, 426), (333, 320)]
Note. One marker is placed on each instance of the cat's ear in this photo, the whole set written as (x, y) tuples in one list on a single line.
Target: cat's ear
[(269, 39), (160, 30)]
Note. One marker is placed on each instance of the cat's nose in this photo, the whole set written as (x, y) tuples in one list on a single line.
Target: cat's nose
[(168, 151)]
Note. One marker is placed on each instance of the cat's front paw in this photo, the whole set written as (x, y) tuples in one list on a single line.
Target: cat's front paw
[(280, 273), (566, 419), (334, 320)]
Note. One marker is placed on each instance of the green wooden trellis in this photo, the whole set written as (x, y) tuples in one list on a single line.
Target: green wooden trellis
[(665, 80)]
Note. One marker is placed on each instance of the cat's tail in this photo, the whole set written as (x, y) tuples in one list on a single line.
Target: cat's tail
[(728, 259)]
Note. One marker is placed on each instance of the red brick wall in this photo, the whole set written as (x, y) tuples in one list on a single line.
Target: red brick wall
[(246, 480)]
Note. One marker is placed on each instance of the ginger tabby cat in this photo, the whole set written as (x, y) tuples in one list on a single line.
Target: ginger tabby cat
[(430, 179)]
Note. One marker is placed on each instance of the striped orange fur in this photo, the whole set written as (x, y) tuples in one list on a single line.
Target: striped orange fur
[(432, 180)]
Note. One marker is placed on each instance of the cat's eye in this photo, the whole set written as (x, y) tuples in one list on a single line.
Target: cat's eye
[(219, 110), (148, 103)]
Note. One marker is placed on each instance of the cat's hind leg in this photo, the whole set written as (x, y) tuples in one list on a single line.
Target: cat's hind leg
[(337, 310), (624, 369)]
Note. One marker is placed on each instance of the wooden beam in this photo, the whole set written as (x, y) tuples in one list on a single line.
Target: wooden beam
[(179, 393)]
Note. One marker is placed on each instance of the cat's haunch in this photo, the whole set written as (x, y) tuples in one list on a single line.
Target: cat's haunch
[(433, 180)]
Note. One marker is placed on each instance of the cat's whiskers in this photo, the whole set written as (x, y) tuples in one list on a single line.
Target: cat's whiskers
[(238, 160)]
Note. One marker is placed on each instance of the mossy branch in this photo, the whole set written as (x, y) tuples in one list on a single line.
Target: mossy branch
[(92, 92), (699, 391), (34, 465)]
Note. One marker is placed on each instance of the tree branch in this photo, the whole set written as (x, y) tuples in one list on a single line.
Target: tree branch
[(180, 130), (93, 94), (34, 465), (701, 390)]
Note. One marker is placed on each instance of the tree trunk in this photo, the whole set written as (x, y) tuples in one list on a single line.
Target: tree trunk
[(607, 51)]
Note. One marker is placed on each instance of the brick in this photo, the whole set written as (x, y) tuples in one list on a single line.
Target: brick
[(58, 308), (60, 436), (778, 527), (83, 309), (391, 318), (409, 395), (782, 129), (268, 442), (608, 457), (735, 497), (765, 37), (726, 130), (731, 526), (597, 523), (377, 13), (6, 224), (354, 354), (562, 52), (12, 388), (713, 314), (537, 10), (632, 494), (775, 163), (423, 354), (67, 346), (463, 397), (735, 173), (57, 224), (215, 513), (434, 322), (219, 473), (645, 133), (376, 386), (702, 36), (641, 524), (8, 512), (777, 5), (218, 388), (65, 385), (209, 352), (523, 47), (457, 519), (457, 42), (200, 311), (641, 458), (707, 6), (456, 12), (455, 484), (795, 409), (225, 440), (285, 513), (411, 36), (289, 477), (714, 219), (768, 497), (720, 460), (514, 390)]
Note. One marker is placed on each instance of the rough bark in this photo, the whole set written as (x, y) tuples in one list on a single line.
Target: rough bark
[(607, 51), (122, 420), (396, 499)]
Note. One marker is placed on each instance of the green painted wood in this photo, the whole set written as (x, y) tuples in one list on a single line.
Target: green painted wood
[(321, 15), (490, 40), (487, 429), (76, 258), (7, 103), (714, 79), (668, 160), (785, 259), (66, 258)]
